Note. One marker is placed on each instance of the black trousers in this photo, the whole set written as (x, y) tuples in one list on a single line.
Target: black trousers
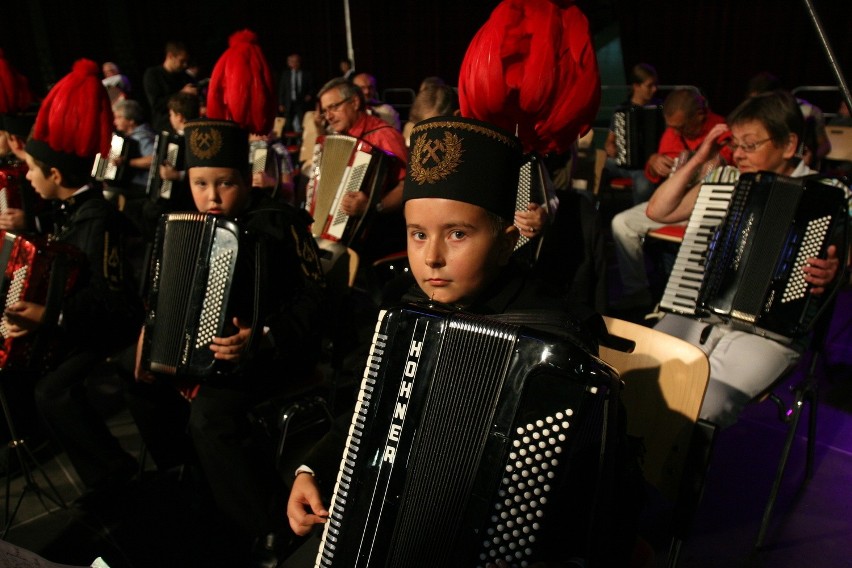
[(215, 427), (63, 401)]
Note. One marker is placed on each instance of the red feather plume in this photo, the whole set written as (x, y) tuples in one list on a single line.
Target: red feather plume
[(532, 69), (241, 86), (15, 94), (75, 116)]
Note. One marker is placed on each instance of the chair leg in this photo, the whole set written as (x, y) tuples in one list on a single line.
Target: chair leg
[(813, 398), (796, 411)]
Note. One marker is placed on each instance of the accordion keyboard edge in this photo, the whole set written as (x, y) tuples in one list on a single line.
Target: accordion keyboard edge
[(342, 164), (472, 430), (192, 269), (684, 284)]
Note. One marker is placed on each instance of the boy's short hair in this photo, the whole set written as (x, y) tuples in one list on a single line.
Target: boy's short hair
[(466, 160), (217, 144), (185, 104)]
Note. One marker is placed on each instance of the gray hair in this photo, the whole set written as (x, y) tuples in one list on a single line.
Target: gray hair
[(130, 109)]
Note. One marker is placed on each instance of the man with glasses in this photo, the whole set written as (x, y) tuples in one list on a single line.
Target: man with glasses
[(345, 109), (688, 122)]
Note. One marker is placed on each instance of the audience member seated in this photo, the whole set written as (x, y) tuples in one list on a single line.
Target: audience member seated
[(688, 121)]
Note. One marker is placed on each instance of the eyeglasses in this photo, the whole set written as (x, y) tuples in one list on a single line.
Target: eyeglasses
[(334, 106), (747, 147)]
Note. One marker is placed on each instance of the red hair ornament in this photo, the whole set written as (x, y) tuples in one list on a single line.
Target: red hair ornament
[(532, 69), (241, 87)]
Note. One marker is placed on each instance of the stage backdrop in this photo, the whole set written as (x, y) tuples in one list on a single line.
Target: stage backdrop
[(715, 44)]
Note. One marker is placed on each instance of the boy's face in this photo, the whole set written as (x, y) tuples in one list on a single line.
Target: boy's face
[(220, 191), (176, 120), (453, 250), (46, 186)]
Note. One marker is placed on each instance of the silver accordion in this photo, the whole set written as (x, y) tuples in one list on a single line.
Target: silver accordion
[(343, 164), (168, 149), (103, 168)]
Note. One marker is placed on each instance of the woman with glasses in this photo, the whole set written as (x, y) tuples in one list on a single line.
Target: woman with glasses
[(764, 134)]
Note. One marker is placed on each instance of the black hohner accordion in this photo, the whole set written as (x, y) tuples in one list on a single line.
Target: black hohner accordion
[(637, 130), (343, 164), (753, 274), (192, 268), (533, 182), (168, 149), (472, 441), (104, 169), (36, 270)]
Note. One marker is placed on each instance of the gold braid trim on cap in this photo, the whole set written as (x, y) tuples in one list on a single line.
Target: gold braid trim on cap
[(465, 126)]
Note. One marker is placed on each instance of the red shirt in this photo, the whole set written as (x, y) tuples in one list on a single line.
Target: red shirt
[(382, 135), (672, 143)]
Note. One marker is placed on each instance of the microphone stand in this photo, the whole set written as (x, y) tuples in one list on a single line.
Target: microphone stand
[(832, 59)]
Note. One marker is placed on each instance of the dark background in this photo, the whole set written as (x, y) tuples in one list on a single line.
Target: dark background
[(714, 44)]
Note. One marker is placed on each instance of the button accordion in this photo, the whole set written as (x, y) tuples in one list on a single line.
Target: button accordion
[(472, 441), (37, 270), (168, 149), (192, 268), (753, 269), (533, 185), (342, 164), (637, 130)]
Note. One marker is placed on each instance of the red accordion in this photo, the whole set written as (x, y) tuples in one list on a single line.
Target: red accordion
[(10, 190), (36, 270)]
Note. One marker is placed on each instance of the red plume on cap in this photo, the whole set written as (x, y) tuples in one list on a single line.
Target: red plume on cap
[(15, 94), (75, 116), (241, 85), (532, 69)]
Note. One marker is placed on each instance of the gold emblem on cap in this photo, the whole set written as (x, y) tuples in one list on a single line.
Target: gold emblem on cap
[(445, 154), (205, 143)]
